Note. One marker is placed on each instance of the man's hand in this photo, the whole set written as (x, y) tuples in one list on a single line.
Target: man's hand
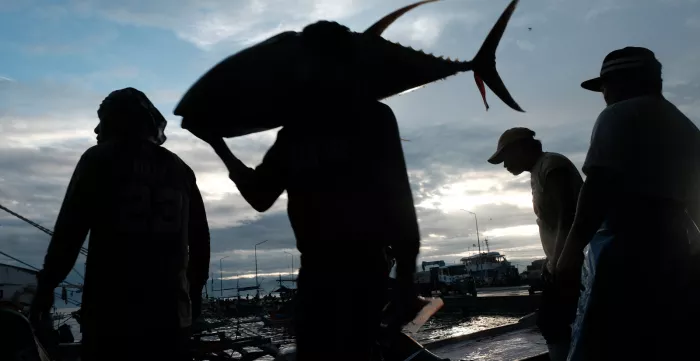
[(207, 135), (569, 267), (546, 276), (405, 304), (402, 309), (196, 301), (40, 309)]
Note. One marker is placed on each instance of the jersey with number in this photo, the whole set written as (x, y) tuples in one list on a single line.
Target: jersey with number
[(142, 200)]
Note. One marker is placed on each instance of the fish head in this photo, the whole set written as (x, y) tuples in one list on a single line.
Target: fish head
[(249, 91)]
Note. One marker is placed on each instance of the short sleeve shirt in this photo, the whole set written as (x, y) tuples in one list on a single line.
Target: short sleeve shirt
[(542, 199), (651, 145)]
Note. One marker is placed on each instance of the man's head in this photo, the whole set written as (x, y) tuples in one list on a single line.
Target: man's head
[(626, 73), (128, 113), (518, 150)]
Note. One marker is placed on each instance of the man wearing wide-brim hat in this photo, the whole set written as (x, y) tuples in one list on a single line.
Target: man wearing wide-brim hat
[(555, 183), (643, 170)]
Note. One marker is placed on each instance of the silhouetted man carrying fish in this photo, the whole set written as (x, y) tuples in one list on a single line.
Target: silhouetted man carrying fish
[(643, 171), (149, 239), (555, 183), (349, 196), (339, 158)]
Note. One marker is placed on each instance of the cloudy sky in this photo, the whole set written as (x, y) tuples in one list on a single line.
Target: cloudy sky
[(60, 58)]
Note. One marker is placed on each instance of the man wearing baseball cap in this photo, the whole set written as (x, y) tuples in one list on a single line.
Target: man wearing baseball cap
[(555, 185), (643, 170)]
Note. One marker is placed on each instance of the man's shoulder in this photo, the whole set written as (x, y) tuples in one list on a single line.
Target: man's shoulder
[(556, 161), (96, 154), (176, 160), (378, 117), (557, 157), (635, 107)]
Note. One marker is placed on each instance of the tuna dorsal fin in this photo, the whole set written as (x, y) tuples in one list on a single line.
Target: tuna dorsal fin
[(381, 25)]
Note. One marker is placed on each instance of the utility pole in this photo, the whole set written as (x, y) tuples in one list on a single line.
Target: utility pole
[(478, 242), (221, 276), (257, 285), (291, 274)]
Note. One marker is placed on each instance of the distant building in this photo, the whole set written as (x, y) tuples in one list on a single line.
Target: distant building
[(14, 279)]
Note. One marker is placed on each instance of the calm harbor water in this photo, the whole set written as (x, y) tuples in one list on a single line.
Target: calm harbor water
[(437, 328)]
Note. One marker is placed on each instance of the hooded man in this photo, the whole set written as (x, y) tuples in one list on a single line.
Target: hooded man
[(149, 239), (642, 174), (555, 183)]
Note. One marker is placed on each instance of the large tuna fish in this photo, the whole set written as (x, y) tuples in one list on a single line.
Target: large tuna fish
[(272, 83)]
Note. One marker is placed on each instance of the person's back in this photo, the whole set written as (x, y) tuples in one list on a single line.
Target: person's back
[(348, 188), (138, 238), (338, 177), (660, 142), (149, 238), (353, 194)]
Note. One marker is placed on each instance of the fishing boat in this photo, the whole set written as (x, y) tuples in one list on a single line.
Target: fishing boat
[(447, 279), (491, 269)]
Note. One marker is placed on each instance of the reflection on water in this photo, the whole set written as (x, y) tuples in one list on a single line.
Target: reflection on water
[(437, 328), (451, 326)]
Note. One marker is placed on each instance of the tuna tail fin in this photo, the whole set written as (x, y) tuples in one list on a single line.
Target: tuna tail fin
[(484, 63)]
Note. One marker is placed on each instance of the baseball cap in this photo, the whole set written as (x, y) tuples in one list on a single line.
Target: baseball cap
[(627, 58), (508, 137)]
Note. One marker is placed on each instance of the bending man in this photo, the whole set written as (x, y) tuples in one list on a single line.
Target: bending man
[(555, 183)]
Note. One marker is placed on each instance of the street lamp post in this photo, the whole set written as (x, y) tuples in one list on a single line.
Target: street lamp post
[(257, 285), (478, 242), (291, 274), (221, 276)]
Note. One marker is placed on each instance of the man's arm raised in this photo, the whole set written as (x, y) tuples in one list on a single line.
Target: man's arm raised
[(260, 186)]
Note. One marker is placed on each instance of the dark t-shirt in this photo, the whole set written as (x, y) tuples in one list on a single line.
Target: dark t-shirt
[(345, 175), (142, 207)]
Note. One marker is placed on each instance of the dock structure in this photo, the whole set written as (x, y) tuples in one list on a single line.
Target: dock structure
[(499, 301)]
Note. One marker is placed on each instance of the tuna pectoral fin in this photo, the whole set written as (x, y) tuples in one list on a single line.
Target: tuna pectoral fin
[(484, 64)]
